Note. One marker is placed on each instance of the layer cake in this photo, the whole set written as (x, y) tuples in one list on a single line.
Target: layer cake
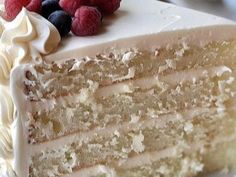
[(152, 95)]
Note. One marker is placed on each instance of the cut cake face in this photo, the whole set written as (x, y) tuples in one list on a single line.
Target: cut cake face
[(155, 95)]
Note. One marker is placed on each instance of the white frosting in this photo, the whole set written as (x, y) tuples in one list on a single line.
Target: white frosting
[(134, 25), (6, 107), (172, 79), (137, 22), (6, 169), (22, 40), (5, 143)]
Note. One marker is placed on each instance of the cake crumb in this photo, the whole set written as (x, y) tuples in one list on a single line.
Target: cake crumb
[(230, 80), (130, 75), (194, 80), (114, 141), (134, 118), (137, 144), (78, 65), (70, 113), (117, 133), (152, 113), (163, 170), (162, 68), (197, 166), (188, 127), (171, 63), (162, 85), (179, 53), (221, 86), (83, 96), (156, 52), (127, 57)]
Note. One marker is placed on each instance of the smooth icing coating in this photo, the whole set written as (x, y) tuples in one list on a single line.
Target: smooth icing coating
[(24, 39), (6, 169)]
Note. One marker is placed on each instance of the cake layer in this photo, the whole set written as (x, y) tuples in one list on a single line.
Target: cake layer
[(116, 66), (91, 98), (182, 166), (125, 149), (100, 83), (134, 112), (113, 108)]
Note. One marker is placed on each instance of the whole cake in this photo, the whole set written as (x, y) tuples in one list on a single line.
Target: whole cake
[(153, 94)]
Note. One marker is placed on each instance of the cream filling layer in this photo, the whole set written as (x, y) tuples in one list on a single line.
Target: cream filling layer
[(161, 81)]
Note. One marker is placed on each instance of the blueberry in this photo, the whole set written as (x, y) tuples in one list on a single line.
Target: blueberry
[(62, 21), (49, 6)]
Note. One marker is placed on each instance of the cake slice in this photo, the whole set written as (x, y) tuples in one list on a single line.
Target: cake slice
[(154, 95)]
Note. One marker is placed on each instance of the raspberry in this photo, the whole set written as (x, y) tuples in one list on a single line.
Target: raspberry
[(4, 15), (86, 21), (70, 6), (13, 7), (106, 6), (34, 6)]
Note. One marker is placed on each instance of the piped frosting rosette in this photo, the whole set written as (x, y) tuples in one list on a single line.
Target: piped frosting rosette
[(25, 39)]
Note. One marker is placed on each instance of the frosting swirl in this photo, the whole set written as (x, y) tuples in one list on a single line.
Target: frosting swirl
[(6, 107), (5, 143), (2, 21), (6, 169), (25, 39)]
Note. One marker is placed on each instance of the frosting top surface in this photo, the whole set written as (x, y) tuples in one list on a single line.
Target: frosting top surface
[(137, 18)]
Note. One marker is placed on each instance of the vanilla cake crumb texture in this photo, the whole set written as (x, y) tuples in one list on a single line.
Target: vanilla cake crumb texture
[(134, 112)]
